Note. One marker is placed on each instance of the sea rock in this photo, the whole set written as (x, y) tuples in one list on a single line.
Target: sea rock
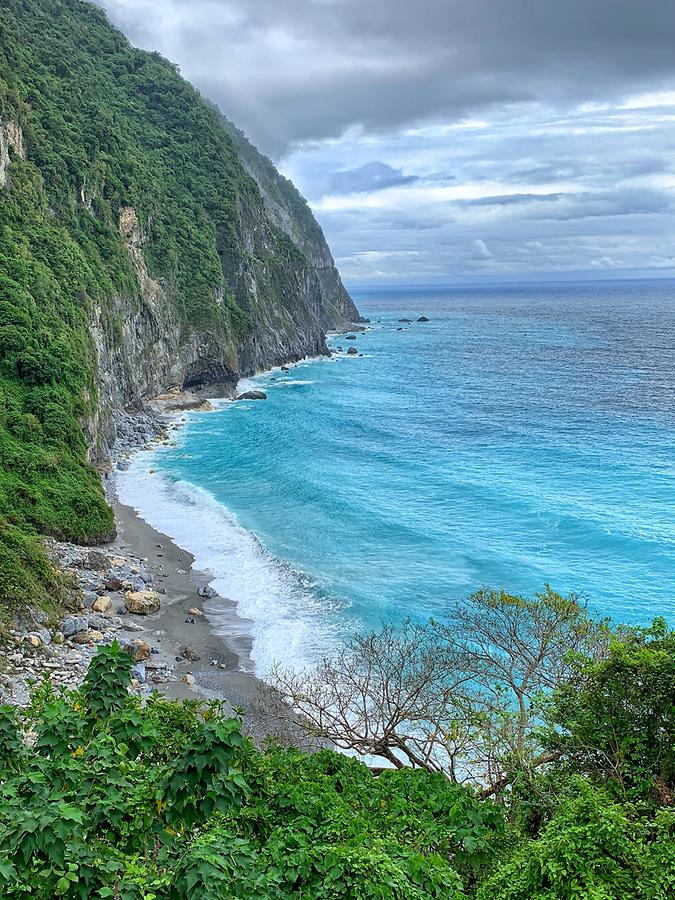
[(142, 603), (97, 561), (207, 592), (285, 369), (138, 650), (423, 319), (73, 625), (252, 395), (405, 320), (350, 337), (193, 611), (102, 605), (352, 351)]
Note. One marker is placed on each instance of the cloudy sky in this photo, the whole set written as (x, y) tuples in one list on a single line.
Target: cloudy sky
[(446, 140)]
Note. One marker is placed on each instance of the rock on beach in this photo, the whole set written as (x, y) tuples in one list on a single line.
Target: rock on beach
[(142, 603)]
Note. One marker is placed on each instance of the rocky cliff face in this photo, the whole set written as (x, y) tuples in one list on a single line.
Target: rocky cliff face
[(291, 298), (288, 210), (143, 250)]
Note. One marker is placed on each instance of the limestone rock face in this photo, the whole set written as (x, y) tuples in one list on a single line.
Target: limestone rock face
[(290, 306), (11, 138)]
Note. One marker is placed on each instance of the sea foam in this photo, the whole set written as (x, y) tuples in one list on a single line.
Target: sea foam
[(288, 622)]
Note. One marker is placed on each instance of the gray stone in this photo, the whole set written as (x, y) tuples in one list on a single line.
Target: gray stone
[(423, 319), (97, 561), (207, 591), (73, 625), (252, 395), (90, 597)]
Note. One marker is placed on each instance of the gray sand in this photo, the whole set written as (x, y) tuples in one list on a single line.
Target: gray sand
[(231, 677)]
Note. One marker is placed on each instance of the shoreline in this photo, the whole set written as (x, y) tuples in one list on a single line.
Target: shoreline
[(220, 671), (174, 647)]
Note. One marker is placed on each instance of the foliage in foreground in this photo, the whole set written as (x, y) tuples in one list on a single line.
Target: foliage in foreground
[(111, 797)]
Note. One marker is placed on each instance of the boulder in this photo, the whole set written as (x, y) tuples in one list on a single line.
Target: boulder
[(89, 597), (102, 605), (32, 640), (252, 395), (207, 591), (73, 625), (189, 679), (58, 637), (87, 637), (193, 611), (285, 369), (142, 603), (138, 650), (97, 561), (350, 337), (423, 319), (352, 351), (113, 583), (189, 653), (405, 320)]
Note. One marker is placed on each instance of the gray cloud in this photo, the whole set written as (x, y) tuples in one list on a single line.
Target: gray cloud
[(294, 70), (450, 137), (373, 176)]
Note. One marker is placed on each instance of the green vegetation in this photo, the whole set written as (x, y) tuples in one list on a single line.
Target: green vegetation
[(114, 797), (98, 127)]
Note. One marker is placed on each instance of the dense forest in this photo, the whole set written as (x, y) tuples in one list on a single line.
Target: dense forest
[(103, 795)]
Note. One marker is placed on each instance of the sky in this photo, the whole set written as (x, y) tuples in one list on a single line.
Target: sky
[(450, 140)]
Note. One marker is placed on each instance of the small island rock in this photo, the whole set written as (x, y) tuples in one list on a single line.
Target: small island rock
[(252, 395), (423, 319), (352, 351)]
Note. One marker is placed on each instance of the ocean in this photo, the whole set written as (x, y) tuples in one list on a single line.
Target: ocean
[(524, 435)]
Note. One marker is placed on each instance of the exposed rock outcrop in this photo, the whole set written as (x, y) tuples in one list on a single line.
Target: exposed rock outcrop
[(11, 139)]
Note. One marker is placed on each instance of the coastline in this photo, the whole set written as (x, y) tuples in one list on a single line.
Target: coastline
[(168, 631)]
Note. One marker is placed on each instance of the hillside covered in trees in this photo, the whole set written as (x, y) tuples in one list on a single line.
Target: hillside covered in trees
[(137, 254), (566, 795)]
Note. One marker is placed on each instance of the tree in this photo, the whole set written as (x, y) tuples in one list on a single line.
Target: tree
[(590, 849), (460, 697), (614, 718)]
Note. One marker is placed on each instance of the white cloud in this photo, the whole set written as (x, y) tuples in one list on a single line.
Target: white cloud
[(480, 250)]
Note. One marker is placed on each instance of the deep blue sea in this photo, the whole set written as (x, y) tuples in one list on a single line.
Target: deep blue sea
[(523, 435)]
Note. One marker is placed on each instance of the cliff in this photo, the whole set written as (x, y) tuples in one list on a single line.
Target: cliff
[(144, 245)]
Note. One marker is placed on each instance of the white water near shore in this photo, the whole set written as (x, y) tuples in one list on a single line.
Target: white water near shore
[(287, 623)]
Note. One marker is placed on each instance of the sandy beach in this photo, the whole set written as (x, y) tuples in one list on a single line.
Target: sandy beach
[(223, 669)]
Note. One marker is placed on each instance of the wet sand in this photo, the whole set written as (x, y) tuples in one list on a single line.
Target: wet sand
[(224, 669)]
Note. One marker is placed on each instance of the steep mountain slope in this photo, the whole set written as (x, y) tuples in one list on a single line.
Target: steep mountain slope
[(288, 209), (137, 254)]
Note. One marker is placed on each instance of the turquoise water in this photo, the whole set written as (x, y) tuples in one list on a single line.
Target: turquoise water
[(523, 435)]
